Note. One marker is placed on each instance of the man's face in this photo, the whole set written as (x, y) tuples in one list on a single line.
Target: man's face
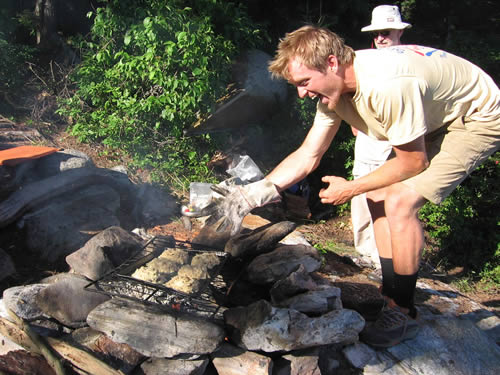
[(327, 86), (386, 38)]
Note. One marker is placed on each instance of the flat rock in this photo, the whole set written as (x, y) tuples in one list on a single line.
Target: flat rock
[(444, 345), (299, 281), (315, 302), (302, 362), (153, 332), (64, 225), (163, 366), (231, 360), (281, 262), (261, 326), (21, 300), (68, 302)]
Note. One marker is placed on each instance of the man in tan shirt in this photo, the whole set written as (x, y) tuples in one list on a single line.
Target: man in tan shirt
[(439, 112)]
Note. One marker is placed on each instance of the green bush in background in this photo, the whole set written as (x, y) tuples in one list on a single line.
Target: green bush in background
[(465, 227), (13, 67), (151, 69)]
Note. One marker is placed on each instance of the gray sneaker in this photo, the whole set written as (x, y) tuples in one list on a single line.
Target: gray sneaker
[(392, 327)]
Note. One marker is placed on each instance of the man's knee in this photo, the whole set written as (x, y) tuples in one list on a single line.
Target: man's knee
[(402, 201)]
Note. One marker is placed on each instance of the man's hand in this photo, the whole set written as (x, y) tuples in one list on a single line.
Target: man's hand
[(339, 190), (237, 201)]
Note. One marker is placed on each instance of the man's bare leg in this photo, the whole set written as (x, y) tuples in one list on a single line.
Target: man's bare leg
[(407, 238), (381, 229)]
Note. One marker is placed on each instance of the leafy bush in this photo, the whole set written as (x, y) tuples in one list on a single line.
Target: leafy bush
[(151, 69), (12, 64), (465, 226)]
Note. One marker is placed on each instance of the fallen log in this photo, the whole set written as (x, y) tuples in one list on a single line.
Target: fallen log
[(35, 193), (82, 361), (29, 339)]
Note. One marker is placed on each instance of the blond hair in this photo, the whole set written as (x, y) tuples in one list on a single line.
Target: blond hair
[(311, 45)]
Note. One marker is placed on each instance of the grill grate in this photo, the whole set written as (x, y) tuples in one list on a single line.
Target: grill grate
[(119, 283)]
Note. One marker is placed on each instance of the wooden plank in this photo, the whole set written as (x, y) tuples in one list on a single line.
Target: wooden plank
[(81, 358), (83, 361)]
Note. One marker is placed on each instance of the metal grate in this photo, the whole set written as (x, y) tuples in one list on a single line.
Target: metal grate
[(119, 283)]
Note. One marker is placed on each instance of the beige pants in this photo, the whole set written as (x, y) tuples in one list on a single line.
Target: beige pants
[(361, 219), (454, 151)]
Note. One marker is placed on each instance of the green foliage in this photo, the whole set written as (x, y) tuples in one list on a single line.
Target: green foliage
[(13, 66), (465, 226), (150, 70)]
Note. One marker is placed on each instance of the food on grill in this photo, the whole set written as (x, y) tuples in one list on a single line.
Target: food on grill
[(174, 269), (207, 261), (147, 274), (193, 272), (185, 284), (175, 255), (161, 269)]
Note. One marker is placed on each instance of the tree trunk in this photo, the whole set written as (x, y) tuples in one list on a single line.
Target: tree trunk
[(46, 35)]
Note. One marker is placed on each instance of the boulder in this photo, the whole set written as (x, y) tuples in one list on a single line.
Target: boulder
[(105, 251)]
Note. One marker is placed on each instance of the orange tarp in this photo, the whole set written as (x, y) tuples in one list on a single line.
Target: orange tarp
[(16, 155)]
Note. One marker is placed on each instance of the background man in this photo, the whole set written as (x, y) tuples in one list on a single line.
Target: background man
[(440, 113), (386, 29)]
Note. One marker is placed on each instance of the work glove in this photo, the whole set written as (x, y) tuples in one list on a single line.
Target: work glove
[(237, 201)]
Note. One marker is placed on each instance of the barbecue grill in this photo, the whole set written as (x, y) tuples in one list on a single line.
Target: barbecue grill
[(119, 283)]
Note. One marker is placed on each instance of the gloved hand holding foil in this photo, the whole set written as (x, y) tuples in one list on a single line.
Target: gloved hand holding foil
[(238, 200)]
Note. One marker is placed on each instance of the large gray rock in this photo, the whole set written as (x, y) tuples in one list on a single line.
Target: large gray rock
[(261, 326), (62, 161), (300, 363), (444, 345), (153, 332), (7, 267), (231, 360), (281, 262), (67, 222), (163, 366), (21, 301), (68, 302), (299, 281), (105, 251), (315, 302)]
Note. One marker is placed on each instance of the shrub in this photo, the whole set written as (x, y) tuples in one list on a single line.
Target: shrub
[(150, 70), (465, 226), (12, 64)]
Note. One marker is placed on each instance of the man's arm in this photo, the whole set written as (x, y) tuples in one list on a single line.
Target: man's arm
[(306, 158), (410, 160)]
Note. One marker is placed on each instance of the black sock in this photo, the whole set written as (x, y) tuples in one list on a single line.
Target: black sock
[(387, 276), (404, 291)]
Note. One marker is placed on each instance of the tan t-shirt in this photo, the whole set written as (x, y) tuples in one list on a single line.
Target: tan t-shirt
[(404, 92)]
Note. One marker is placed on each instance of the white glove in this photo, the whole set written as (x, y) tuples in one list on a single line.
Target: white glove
[(237, 201)]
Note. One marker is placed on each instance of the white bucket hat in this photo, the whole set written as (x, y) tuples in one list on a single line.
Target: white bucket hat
[(386, 17)]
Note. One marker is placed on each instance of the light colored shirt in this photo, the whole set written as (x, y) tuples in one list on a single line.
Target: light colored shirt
[(404, 92)]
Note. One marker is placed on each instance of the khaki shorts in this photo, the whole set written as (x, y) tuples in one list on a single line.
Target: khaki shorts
[(454, 151)]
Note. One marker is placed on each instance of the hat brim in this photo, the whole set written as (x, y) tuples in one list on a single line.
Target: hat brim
[(387, 26)]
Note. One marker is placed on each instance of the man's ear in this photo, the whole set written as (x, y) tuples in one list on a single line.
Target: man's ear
[(333, 63)]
